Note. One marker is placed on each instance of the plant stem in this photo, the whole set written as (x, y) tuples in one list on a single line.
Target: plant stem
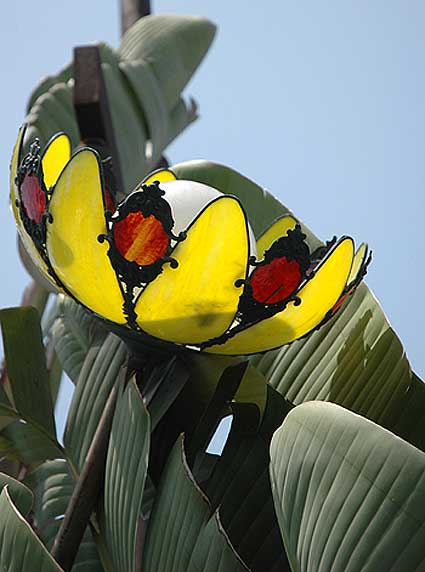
[(133, 10), (87, 490)]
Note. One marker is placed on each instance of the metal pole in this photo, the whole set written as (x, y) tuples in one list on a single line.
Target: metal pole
[(133, 10)]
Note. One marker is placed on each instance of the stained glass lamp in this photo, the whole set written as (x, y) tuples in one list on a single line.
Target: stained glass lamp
[(176, 263)]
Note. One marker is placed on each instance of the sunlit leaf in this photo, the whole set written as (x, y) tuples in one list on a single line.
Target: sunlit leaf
[(97, 377), (126, 467), (144, 81), (349, 495)]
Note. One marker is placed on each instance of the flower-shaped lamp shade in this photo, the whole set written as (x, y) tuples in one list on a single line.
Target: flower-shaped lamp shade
[(176, 262)]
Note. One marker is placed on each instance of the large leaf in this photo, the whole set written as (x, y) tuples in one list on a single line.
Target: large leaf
[(28, 443), (98, 374), (20, 549), (202, 401), (239, 487), (356, 360), (174, 45), (143, 81), (349, 495), (74, 332), (52, 485), (26, 366), (28, 433), (409, 414), (20, 494), (184, 534), (126, 467), (162, 386)]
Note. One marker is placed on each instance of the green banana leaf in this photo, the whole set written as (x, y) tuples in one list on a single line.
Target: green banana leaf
[(28, 431), (162, 387), (356, 360), (20, 494), (239, 486), (144, 80), (185, 534), (20, 547), (349, 495), (98, 375), (28, 443), (26, 366), (74, 331), (52, 486), (126, 467)]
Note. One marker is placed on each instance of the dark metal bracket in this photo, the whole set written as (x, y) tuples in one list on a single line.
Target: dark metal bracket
[(92, 108)]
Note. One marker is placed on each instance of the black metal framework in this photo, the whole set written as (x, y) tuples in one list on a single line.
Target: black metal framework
[(133, 277)]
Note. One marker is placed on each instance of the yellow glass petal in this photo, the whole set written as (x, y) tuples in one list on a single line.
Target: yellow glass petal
[(359, 259), (161, 175), (198, 300), (54, 158), (79, 260), (279, 228), (317, 296), (14, 196)]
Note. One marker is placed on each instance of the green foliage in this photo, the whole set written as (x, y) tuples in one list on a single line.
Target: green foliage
[(26, 366), (98, 375), (349, 495), (144, 80), (28, 429), (20, 547), (74, 332), (22, 496), (126, 468), (344, 493), (184, 534), (52, 485), (355, 360)]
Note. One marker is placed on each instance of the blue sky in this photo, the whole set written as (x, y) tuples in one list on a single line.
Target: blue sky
[(321, 102)]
